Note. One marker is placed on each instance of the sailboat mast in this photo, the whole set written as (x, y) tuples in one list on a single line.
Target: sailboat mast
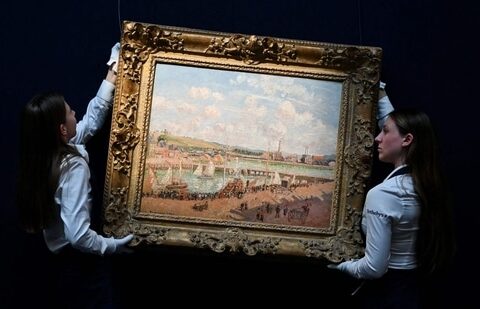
[(268, 158), (224, 164), (180, 170)]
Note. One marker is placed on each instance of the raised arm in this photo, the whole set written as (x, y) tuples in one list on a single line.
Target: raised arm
[(384, 106), (99, 106)]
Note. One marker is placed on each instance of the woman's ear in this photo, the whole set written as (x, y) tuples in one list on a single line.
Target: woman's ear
[(407, 140), (63, 130)]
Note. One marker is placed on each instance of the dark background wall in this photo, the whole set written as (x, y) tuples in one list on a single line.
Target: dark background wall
[(429, 62)]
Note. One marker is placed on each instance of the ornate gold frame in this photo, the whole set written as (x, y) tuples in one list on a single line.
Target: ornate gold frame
[(144, 45)]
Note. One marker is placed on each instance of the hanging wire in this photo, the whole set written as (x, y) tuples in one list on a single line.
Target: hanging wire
[(359, 19), (119, 19)]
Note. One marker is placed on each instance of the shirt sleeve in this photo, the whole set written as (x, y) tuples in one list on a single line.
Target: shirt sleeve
[(97, 111), (385, 107), (378, 237), (75, 210)]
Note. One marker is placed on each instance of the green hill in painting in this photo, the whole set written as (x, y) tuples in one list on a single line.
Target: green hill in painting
[(188, 142), (198, 144)]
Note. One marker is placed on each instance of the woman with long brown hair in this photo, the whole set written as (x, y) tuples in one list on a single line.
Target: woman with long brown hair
[(406, 218), (54, 191)]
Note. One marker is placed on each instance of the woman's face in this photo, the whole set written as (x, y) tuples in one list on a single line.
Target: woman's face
[(70, 122), (391, 144)]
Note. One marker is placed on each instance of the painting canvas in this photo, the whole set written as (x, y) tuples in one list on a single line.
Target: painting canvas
[(247, 147), (240, 143)]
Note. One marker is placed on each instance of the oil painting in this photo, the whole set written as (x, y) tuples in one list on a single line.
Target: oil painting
[(240, 146), (240, 143)]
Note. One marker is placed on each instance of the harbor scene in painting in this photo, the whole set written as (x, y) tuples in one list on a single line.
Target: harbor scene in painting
[(246, 147)]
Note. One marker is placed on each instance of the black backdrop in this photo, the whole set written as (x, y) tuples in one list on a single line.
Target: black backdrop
[(428, 63)]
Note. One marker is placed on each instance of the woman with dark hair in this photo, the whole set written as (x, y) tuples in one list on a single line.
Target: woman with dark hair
[(406, 218), (54, 191)]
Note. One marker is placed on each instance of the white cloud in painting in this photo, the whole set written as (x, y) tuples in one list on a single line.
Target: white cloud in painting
[(286, 112), (161, 103), (253, 109), (211, 111), (187, 108), (248, 110), (204, 93)]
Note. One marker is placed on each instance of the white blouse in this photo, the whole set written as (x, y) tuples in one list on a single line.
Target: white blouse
[(390, 223), (73, 194)]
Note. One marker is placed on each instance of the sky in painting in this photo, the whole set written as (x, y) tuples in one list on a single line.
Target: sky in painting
[(250, 110)]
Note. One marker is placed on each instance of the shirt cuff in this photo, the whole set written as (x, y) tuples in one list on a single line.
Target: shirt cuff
[(384, 107), (111, 245), (106, 91)]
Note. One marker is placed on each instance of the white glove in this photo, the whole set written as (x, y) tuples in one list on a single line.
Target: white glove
[(114, 57), (342, 266), (384, 108), (121, 244)]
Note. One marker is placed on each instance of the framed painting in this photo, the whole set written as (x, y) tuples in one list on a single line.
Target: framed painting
[(239, 142)]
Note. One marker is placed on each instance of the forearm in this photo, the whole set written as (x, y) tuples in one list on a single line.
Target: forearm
[(381, 93), (385, 107), (97, 111), (111, 76), (74, 199), (378, 238), (364, 268), (89, 241)]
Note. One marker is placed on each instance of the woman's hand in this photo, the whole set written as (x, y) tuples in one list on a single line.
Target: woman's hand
[(111, 76), (112, 64), (113, 61)]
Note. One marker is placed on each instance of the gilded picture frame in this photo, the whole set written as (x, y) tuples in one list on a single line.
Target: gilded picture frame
[(240, 143)]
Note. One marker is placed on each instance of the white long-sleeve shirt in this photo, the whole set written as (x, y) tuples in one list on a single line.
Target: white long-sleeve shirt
[(73, 194), (390, 223)]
